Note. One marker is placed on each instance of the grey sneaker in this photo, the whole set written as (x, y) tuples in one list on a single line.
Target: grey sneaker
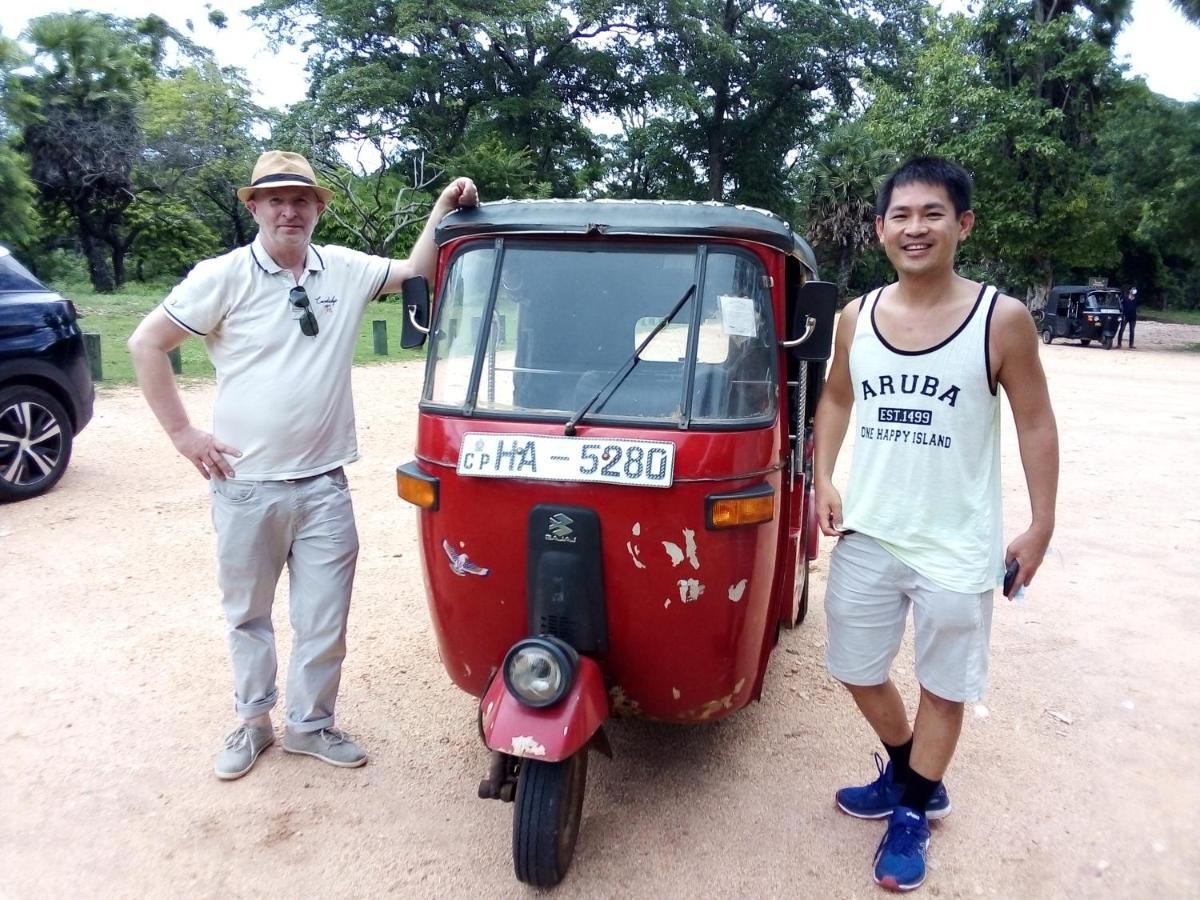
[(242, 746), (328, 745)]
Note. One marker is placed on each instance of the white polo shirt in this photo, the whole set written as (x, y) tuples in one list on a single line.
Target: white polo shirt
[(283, 398)]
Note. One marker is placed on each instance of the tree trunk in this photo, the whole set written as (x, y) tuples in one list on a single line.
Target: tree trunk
[(93, 249), (97, 259), (845, 267), (118, 260), (716, 170)]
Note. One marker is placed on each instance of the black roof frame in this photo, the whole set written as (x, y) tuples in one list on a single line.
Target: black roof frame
[(641, 218)]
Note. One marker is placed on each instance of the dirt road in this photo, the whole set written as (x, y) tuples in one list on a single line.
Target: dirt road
[(1077, 777)]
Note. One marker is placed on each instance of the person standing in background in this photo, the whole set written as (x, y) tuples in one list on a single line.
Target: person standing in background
[(1129, 305)]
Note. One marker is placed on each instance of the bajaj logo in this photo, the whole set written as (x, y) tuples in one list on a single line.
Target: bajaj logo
[(560, 529)]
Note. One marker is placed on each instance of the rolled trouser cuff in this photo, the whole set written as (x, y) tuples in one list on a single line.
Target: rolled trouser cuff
[(255, 708)]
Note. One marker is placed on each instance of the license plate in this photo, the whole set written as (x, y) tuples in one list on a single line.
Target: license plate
[(547, 458)]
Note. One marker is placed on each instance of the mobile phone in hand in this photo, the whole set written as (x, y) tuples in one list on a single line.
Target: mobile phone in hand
[(1010, 577)]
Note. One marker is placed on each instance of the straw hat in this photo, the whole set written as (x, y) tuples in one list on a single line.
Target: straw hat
[(280, 168)]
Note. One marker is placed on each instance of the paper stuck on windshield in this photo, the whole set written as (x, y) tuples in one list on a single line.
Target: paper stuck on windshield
[(737, 316)]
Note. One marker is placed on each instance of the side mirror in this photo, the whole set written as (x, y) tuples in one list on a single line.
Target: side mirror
[(810, 320), (415, 292)]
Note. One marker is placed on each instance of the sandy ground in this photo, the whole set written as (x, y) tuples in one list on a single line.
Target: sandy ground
[(1078, 777)]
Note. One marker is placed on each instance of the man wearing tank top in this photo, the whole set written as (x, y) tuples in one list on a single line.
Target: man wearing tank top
[(920, 362)]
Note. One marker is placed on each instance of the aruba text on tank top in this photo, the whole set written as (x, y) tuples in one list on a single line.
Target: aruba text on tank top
[(925, 479)]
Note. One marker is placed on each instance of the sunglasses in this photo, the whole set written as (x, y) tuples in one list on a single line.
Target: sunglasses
[(298, 297)]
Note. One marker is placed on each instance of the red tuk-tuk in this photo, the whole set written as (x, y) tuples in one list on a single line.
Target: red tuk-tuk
[(614, 475)]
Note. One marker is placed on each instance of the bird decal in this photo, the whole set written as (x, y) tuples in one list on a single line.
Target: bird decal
[(459, 564)]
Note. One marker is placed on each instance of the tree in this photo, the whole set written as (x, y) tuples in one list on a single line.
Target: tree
[(83, 137), (82, 129), (1190, 9), (1148, 152), (444, 78), (1019, 103), (17, 220), (736, 86), (199, 126), (838, 188)]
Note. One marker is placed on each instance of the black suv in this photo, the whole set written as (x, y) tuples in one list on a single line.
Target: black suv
[(46, 391)]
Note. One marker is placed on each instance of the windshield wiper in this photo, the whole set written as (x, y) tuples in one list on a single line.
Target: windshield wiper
[(623, 372)]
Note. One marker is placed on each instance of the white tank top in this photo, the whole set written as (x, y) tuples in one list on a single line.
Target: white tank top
[(925, 479)]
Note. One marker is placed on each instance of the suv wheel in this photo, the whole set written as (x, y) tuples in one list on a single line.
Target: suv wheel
[(35, 442)]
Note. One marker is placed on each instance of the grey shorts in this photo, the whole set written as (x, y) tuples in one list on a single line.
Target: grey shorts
[(866, 608)]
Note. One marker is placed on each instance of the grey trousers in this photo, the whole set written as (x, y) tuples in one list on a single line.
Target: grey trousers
[(308, 526)]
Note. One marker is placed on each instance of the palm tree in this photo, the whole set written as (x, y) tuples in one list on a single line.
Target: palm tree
[(1190, 9), (840, 186)]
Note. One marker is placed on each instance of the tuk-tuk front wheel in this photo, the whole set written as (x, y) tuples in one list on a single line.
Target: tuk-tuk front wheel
[(546, 817), (1107, 342), (1047, 336)]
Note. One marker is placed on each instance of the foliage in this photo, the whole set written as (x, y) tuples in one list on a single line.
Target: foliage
[(1148, 152), (17, 219), (442, 78), (734, 89), (199, 126), (1020, 105), (1189, 8), (123, 140), (80, 125), (169, 237), (838, 191)]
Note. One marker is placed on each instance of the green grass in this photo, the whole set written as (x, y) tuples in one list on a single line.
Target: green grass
[(1171, 316), (115, 316)]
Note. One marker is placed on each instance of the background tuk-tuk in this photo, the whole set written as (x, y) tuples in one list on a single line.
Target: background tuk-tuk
[(614, 475), (1080, 313)]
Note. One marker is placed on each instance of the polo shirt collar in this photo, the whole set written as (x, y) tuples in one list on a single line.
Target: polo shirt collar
[(312, 259)]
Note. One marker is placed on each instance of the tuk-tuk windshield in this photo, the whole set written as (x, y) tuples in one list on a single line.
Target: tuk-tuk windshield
[(1109, 301), (564, 317)]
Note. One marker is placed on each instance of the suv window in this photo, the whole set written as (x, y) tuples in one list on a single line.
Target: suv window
[(15, 278)]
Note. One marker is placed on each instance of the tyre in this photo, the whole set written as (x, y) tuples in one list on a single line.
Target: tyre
[(35, 442), (546, 816), (1108, 341), (1086, 343), (1047, 336)]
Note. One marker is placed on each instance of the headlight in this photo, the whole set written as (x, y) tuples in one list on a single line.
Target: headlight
[(538, 671)]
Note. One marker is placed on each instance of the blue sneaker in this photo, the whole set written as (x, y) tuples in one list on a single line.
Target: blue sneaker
[(900, 859), (881, 797)]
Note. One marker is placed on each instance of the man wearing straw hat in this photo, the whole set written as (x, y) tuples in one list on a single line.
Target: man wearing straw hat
[(280, 319)]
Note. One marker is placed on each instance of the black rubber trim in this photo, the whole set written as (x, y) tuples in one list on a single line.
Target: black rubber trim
[(254, 256), (178, 321), (387, 273), (993, 386), (939, 346)]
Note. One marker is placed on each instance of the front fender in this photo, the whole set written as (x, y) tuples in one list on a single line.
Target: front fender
[(553, 733)]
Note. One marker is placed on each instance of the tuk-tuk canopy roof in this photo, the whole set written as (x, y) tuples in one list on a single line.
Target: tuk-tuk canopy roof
[(659, 218), (1082, 289)]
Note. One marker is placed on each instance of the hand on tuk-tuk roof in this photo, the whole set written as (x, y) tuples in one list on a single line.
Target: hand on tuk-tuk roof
[(422, 261)]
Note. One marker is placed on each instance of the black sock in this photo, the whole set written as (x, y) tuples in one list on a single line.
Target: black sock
[(899, 757), (917, 791)]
